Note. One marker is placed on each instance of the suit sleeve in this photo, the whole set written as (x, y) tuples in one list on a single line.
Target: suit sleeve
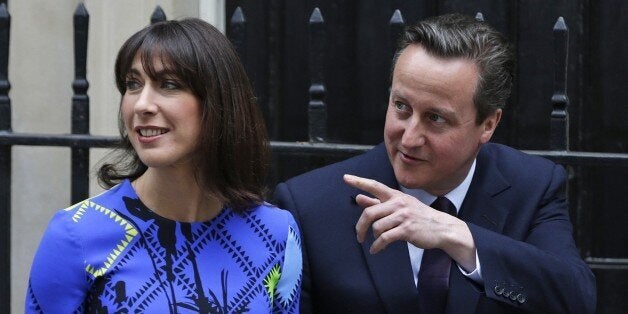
[(543, 273), (58, 281), (283, 199)]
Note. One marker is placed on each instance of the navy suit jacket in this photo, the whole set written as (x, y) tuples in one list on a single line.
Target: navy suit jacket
[(517, 214)]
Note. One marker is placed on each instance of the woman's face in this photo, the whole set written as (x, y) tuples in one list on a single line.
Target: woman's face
[(162, 117)]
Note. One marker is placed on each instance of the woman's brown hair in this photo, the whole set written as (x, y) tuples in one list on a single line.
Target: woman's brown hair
[(233, 153)]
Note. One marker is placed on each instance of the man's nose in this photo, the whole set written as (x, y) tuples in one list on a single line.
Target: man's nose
[(414, 134)]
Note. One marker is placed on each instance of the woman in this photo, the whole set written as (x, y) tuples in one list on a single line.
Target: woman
[(183, 227)]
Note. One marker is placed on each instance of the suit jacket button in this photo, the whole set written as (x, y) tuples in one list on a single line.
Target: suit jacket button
[(507, 294), (521, 298), (513, 296), (499, 290)]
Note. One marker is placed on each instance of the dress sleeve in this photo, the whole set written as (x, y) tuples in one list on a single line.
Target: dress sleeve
[(58, 281), (289, 285)]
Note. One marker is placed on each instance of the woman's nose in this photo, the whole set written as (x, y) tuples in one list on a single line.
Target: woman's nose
[(145, 103)]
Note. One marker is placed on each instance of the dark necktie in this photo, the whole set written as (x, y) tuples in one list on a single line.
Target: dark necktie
[(433, 281)]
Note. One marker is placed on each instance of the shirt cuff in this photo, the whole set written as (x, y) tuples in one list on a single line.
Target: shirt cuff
[(476, 274)]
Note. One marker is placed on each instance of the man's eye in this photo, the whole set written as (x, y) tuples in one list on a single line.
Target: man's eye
[(401, 106), (131, 84), (435, 117)]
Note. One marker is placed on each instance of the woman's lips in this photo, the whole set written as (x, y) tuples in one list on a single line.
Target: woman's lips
[(148, 134)]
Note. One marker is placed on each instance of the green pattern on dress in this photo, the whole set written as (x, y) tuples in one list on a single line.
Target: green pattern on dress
[(271, 280)]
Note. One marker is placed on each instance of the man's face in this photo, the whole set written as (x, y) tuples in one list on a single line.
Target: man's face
[(431, 134)]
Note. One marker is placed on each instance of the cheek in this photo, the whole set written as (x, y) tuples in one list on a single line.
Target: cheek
[(392, 128), (126, 111), (191, 107), (453, 149), (191, 116)]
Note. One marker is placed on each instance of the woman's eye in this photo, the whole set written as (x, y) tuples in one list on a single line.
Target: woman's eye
[(131, 84), (170, 85)]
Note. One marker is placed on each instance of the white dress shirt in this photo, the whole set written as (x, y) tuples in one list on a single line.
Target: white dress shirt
[(456, 196)]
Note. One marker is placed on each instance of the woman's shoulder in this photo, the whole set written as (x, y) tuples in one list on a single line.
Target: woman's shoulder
[(98, 213), (272, 213), (276, 220)]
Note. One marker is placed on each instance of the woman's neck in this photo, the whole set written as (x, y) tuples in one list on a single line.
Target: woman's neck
[(176, 196)]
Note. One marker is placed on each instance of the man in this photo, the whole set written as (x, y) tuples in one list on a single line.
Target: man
[(506, 245)]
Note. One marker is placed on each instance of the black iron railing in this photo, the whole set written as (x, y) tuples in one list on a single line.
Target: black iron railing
[(80, 141)]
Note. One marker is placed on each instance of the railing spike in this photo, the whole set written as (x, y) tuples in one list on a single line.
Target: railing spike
[(81, 10), (158, 15), (238, 16), (560, 24), (396, 18), (3, 10), (316, 16)]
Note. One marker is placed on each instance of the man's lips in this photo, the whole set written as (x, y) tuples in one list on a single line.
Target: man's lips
[(410, 157)]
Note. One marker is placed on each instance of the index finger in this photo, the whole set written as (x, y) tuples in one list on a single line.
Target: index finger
[(377, 189)]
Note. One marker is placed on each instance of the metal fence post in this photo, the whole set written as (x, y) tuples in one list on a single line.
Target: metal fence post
[(396, 24), (5, 161), (80, 105), (317, 110), (559, 128), (237, 32)]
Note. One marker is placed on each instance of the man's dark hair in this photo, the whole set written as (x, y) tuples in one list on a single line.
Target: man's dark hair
[(460, 36), (232, 157)]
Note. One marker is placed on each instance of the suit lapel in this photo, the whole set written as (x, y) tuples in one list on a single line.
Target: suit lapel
[(392, 275), (390, 269), (481, 207)]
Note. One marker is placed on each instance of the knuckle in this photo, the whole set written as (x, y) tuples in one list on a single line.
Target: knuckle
[(384, 237), (397, 202), (372, 183), (376, 226)]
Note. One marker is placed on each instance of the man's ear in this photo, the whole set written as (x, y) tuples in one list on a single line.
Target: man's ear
[(489, 125)]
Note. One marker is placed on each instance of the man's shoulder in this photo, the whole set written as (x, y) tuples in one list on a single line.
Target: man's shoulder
[(501, 151), (511, 161)]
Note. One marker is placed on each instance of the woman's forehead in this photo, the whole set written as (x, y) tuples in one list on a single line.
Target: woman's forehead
[(154, 63)]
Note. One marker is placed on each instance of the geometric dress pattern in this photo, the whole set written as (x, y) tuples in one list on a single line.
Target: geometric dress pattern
[(111, 254)]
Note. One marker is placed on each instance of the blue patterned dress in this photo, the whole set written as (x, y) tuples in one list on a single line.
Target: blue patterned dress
[(111, 254)]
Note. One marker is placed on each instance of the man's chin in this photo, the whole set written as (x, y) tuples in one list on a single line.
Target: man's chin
[(410, 183)]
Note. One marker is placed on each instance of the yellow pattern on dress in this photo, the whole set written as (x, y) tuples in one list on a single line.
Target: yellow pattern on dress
[(130, 233)]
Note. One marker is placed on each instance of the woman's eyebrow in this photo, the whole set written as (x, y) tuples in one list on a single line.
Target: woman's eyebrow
[(133, 71)]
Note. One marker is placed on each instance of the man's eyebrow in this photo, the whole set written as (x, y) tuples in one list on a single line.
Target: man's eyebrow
[(442, 111), (396, 94)]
